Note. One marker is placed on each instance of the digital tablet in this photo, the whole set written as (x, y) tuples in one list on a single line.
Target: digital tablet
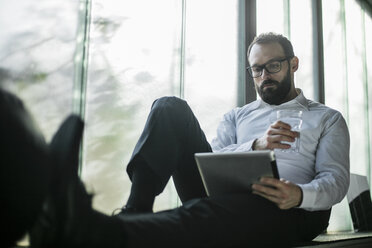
[(233, 172)]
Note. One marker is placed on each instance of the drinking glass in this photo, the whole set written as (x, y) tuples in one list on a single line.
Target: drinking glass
[(294, 119)]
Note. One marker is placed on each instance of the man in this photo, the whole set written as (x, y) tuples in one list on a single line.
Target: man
[(293, 209)]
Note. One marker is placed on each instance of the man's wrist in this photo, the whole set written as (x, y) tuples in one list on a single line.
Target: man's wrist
[(254, 145), (301, 197)]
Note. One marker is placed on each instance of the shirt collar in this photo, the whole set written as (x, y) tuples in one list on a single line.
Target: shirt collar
[(301, 99)]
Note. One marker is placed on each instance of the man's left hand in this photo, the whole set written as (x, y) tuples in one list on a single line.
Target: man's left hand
[(284, 194)]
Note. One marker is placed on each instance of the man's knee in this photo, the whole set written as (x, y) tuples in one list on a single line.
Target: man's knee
[(171, 104)]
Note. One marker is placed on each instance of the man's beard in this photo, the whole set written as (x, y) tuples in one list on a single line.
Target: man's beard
[(276, 95)]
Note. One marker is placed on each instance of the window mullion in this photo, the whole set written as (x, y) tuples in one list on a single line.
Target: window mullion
[(318, 55), (250, 27), (287, 18), (81, 65), (183, 49)]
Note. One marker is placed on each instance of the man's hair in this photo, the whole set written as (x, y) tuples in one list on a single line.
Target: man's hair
[(266, 38)]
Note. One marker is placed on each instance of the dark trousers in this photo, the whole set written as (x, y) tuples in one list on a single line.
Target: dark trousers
[(170, 138)]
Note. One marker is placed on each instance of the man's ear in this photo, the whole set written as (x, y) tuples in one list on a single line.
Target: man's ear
[(294, 64)]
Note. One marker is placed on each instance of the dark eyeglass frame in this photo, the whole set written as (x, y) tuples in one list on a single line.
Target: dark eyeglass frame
[(262, 67)]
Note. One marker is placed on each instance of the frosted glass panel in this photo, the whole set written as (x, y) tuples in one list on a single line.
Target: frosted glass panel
[(368, 44), (335, 75), (302, 41), (134, 59), (336, 96), (37, 45), (270, 16), (136, 56), (358, 119), (211, 60), (346, 85)]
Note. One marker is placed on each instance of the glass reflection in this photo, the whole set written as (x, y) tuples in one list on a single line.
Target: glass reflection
[(37, 45), (136, 57)]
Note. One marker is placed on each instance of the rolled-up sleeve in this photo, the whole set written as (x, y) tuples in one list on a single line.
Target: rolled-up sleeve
[(332, 167)]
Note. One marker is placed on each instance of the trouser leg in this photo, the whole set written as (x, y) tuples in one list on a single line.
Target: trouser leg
[(234, 220), (171, 137)]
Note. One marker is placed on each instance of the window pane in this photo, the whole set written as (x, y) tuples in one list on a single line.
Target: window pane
[(346, 86), (356, 89), (345, 71), (270, 16), (334, 61), (368, 44), (335, 73), (134, 59), (211, 71), (37, 45), (302, 41)]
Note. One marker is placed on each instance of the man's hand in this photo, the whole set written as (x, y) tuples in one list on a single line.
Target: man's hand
[(277, 132), (285, 194)]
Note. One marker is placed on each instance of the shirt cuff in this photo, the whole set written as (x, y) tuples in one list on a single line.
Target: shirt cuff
[(249, 145), (308, 197)]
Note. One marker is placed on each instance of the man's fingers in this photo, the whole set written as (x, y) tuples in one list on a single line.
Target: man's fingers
[(282, 125), (269, 197), (267, 190), (276, 134), (282, 192), (277, 186), (279, 146), (281, 203), (274, 182), (280, 138), (275, 142), (283, 132), (282, 128)]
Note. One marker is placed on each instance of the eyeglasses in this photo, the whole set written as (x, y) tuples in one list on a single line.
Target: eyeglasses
[(271, 67)]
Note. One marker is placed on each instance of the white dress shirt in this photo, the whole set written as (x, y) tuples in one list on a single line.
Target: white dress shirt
[(320, 168)]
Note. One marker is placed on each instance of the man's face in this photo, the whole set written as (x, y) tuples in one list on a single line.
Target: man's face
[(273, 88)]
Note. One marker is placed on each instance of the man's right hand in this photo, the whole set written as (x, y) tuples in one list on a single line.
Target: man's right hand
[(275, 134)]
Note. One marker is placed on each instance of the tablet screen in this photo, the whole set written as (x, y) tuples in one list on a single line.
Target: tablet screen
[(234, 172)]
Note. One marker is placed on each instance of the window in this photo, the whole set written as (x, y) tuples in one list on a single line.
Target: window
[(347, 51), (144, 49), (37, 49), (346, 84), (139, 54), (289, 18)]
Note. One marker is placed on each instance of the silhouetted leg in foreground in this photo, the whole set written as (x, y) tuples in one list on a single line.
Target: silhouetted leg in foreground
[(23, 169)]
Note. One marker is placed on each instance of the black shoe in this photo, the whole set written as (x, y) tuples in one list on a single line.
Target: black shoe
[(68, 219), (51, 228)]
